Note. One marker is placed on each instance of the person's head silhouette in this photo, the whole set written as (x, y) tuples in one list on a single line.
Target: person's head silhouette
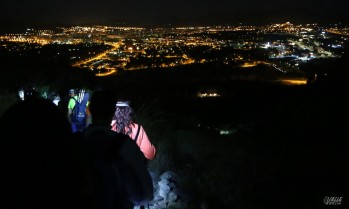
[(102, 106)]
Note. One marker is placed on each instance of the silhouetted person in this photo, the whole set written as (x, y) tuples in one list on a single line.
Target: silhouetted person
[(122, 177), (40, 166), (56, 99)]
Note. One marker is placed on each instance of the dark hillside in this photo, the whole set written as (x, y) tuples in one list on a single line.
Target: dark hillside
[(260, 144)]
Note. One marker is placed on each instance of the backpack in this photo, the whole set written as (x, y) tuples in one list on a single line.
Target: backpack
[(78, 115)]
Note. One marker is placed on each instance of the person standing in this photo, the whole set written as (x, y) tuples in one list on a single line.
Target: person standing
[(122, 178), (56, 99), (77, 107), (71, 102), (124, 122)]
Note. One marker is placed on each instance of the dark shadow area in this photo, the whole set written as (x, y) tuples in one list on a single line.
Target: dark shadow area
[(285, 146)]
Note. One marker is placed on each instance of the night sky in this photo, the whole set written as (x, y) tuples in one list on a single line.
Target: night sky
[(175, 12)]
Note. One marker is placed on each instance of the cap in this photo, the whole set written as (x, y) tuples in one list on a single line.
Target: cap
[(71, 91)]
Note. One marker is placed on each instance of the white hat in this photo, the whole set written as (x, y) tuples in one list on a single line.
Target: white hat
[(122, 104)]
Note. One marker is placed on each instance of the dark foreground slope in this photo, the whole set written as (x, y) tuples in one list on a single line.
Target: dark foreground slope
[(284, 148)]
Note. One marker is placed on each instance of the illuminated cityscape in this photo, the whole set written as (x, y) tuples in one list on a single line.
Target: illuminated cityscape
[(106, 50), (284, 49)]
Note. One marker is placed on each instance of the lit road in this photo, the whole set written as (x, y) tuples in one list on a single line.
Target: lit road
[(100, 56)]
